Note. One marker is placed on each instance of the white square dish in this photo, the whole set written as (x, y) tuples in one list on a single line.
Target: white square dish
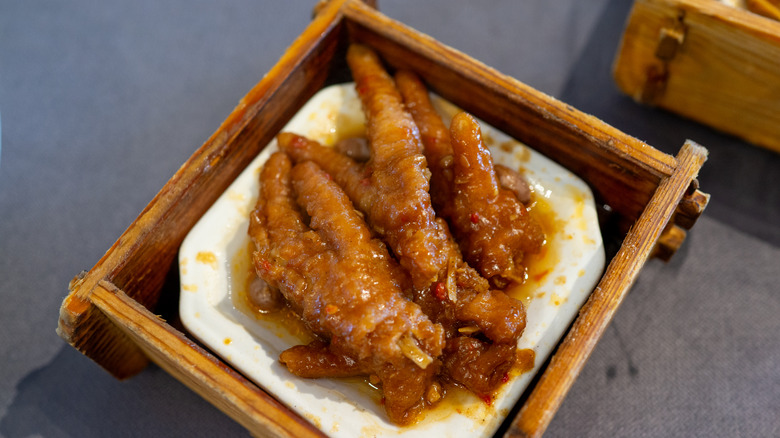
[(214, 265)]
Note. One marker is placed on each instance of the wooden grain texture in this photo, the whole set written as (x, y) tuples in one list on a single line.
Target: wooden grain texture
[(199, 370), (669, 242), (596, 314), (726, 73), (106, 344), (767, 8), (141, 258)]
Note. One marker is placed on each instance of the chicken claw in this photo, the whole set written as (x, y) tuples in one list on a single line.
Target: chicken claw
[(488, 219), (342, 283)]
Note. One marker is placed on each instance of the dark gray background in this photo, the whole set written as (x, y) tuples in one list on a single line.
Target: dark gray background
[(102, 101)]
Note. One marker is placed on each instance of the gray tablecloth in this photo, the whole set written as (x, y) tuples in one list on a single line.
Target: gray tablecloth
[(102, 102)]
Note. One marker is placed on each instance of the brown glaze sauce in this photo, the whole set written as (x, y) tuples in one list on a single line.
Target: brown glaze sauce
[(455, 400), (539, 265), (284, 320)]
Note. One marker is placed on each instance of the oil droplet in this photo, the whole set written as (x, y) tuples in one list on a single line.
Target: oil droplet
[(522, 154), (315, 420), (488, 139), (525, 360), (557, 300), (207, 258), (236, 196)]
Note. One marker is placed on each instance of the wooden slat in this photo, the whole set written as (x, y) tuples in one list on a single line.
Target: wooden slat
[(200, 371), (767, 8), (596, 314), (107, 342), (622, 170), (669, 242), (140, 259), (725, 74)]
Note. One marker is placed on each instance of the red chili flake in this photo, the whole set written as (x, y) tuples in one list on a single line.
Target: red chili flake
[(365, 181), (505, 378), (440, 290), (362, 88), (266, 265), (474, 218), (487, 398), (382, 402)]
